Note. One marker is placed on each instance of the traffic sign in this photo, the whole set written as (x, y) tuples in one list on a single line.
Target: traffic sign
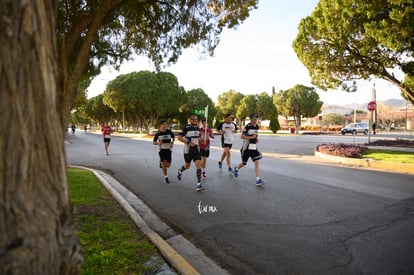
[(372, 106)]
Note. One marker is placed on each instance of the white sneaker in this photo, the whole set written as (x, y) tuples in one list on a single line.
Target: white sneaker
[(200, 187)]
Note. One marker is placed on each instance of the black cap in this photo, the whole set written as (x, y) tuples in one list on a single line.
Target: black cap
[(254, 116)]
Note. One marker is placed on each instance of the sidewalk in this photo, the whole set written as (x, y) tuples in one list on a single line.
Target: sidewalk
[(180, 253)]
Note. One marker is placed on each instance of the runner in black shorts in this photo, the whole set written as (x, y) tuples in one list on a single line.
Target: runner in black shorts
[(165, 139), (190, 135), (249, 148)]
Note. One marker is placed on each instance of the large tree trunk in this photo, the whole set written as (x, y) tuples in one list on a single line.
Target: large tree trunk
[(37, 235)]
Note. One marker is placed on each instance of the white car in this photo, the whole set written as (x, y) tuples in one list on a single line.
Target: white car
[(355, 128)]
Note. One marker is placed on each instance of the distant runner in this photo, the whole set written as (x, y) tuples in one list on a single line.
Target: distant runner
[(106, 132)]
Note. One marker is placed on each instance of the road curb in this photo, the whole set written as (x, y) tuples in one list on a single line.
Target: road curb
[(370, 163), (169, 253)]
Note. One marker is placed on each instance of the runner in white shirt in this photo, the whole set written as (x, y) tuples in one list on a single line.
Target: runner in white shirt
[(227, 130)]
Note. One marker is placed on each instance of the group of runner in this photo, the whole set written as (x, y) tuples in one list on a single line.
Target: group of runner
[(196, 141)]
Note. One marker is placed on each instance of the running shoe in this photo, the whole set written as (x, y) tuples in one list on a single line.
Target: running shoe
[(179, 174), (236, 172), (259, 182), (231, 170), (166, 180), (204, 175), (200, 187), (220, 164)]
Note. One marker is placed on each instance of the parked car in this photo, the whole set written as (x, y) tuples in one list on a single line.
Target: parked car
[(355, 128)]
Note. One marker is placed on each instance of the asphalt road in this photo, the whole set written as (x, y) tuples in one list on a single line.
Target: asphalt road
[(309, 218)]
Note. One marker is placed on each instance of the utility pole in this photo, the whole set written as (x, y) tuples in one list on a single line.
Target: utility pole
[(406, 115), (354, 89), (374, 98)]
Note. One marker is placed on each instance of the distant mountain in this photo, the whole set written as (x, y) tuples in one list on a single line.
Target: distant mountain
[(394, 103), (336, 109), (348, 108)]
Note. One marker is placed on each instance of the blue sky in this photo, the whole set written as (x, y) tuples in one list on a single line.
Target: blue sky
[(255, 57)]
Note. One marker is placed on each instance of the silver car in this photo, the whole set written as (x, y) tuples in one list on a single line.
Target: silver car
[(355, 128)]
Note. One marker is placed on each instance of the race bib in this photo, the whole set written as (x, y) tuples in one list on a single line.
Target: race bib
[(252, 146), (194, 140), (228, 141), (107, 136), (165, 146)]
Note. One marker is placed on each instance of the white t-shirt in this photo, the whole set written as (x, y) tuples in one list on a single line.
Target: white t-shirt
[(228, 129)]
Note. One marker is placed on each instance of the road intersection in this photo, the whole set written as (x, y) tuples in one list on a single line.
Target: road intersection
[(309, 218)]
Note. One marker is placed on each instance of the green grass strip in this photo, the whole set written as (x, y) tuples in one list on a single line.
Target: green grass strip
[(392, 156), (111, 242)]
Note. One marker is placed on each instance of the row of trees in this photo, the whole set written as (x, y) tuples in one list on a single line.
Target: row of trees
[(340, 42), (140, 99)]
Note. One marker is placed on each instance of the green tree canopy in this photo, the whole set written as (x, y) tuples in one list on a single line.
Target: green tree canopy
[(97, 111), (265, 107), (347, 40), (274, 125), (145, 96), (299, 101), (91, 34), (333, 119), (197, 99), (246, 107), (227, 103)]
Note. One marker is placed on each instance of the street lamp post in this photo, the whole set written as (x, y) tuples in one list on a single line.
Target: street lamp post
[(406, 115), (355, 108), (320, 123), (353, 90)]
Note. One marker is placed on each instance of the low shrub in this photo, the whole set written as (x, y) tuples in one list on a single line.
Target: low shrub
[(396, 142), (342, 150), (318, 133)]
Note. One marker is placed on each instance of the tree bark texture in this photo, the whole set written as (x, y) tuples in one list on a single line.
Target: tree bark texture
[(37, 235)]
